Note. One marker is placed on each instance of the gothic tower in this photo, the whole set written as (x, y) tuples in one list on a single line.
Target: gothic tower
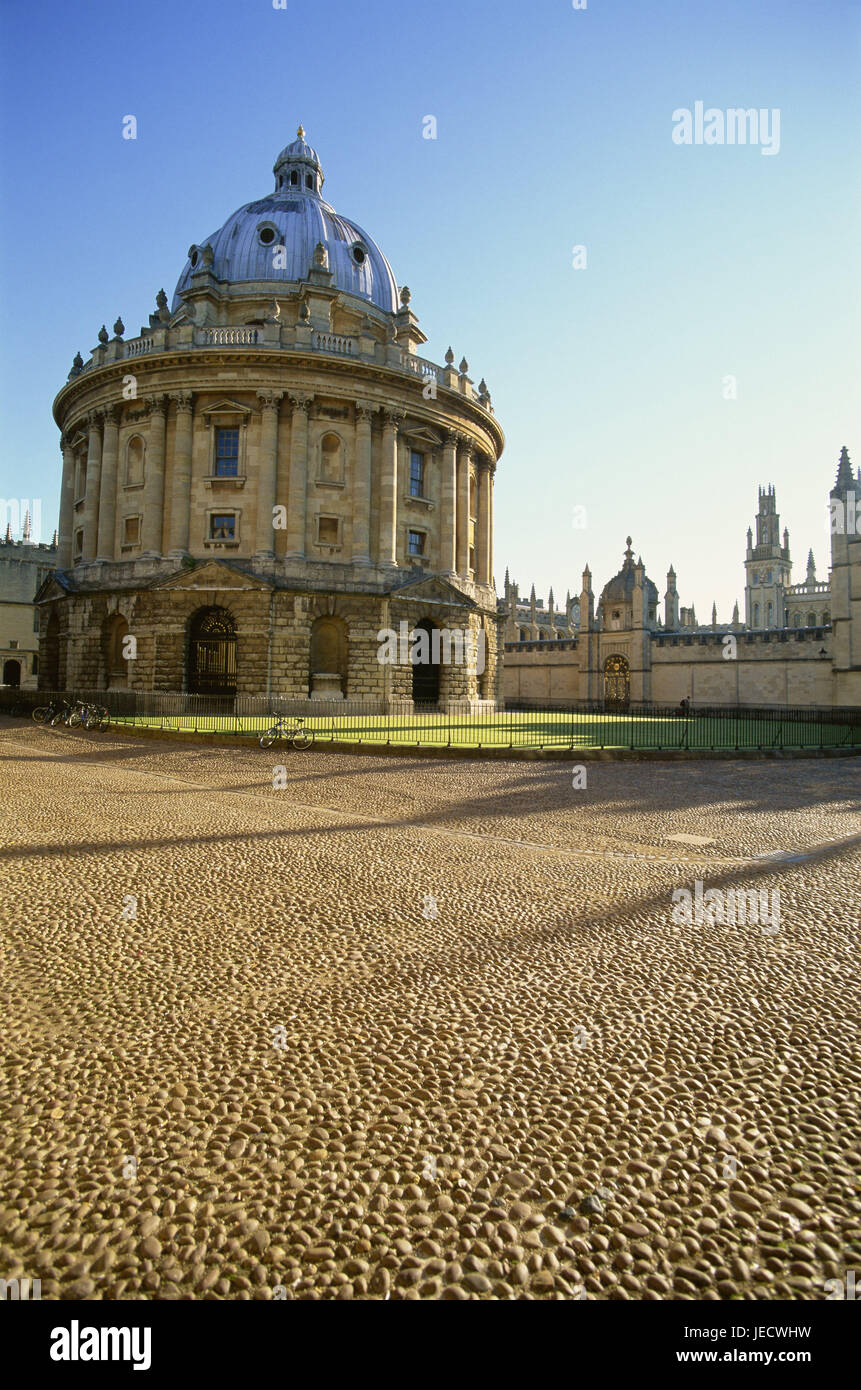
[(767, 567)]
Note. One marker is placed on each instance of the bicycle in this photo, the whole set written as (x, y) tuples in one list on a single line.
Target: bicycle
[(43, 714), (94, 716), (295, 733), (62, 714)]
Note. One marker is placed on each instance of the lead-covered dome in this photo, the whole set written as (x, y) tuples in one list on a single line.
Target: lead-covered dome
[(274, 239)]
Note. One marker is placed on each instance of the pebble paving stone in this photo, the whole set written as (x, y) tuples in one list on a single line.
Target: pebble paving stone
[(422, 1029)]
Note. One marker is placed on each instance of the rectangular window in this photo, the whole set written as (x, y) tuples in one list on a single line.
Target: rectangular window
[(226, 453), (417, 474), (132, 530), (416, 542), (327, 530), (222, 527)]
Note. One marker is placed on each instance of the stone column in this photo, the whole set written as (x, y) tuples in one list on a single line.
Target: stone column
[(490, 480), (67, 506), (389, 488), (448, 489), (464, 459), (153, 506), (297, 501), (180, 489), (105, 548), (482, 558), (267, 473), (94, 478), (362, 485)]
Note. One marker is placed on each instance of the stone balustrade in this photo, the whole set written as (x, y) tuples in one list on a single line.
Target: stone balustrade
[(274, 337)]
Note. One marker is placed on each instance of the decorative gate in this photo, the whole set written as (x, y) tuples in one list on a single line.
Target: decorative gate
[(212, 653), (617, 683)]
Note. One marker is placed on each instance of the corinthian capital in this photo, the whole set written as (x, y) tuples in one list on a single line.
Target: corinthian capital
[(183, 400), (394, 416), (157, 404), (300, 400), (365, 410), (112, 414), (94, 419), (270, 400)]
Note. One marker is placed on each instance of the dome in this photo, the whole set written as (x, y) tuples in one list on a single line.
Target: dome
[(620, 588), (274, 238)]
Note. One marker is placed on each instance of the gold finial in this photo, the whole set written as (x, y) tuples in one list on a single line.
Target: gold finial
[(300, 132)]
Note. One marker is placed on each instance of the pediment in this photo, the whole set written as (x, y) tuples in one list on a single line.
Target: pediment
[(421, 435), (213, 575), (434, 589), (227, 407), (51, 588)]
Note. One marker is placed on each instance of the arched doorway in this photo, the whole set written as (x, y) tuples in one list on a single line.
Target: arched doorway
[(212, 653), (617, 683), (49, 672), (328, 657), (12, 673), (425, 655)]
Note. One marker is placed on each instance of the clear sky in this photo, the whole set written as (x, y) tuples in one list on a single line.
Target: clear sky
[(554, 129)]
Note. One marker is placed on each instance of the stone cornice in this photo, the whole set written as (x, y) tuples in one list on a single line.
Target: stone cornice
[(328, 371)]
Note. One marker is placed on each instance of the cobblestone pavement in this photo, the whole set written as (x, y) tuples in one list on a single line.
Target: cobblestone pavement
[(423, 1029)]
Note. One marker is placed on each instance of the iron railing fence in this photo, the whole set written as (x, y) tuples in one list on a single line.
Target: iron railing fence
[(466, 724)]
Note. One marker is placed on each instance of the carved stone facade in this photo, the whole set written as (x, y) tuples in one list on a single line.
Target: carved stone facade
[(273, 449), (625, 651)]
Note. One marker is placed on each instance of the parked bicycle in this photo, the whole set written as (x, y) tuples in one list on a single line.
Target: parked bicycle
[(44, 714), (293, 730), (56, 712), (92, 716)]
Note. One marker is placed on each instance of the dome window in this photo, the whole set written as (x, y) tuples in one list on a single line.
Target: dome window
[(267, 234), (359, 253), (309, 182), (294, 178), (193, 256)]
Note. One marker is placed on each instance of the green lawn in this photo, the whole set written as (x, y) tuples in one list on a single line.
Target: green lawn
[(534, 730)]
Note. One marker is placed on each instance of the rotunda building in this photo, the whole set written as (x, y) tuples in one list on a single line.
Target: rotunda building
[(268, 477)]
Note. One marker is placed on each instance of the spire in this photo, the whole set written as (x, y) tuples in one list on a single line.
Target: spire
[(629, 554), (8, 536), (54, 541), (844, 470), (25, 534), (735, 614), (714, 615)]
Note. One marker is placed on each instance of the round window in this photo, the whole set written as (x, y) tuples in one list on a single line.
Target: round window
[(360, 255), (266, 235), (194, 258)]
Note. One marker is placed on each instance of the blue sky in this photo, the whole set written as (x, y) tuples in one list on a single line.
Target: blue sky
[(554, 130)]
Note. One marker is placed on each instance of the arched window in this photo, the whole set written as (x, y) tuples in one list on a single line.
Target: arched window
[(796, 621), (756, 615), (328, 655), (309, 182), (117, 662), (826, 618), (294, 179), (811, 620), (770, 614), (331, 459), (12, 673), (524, 635), (135, 452)]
